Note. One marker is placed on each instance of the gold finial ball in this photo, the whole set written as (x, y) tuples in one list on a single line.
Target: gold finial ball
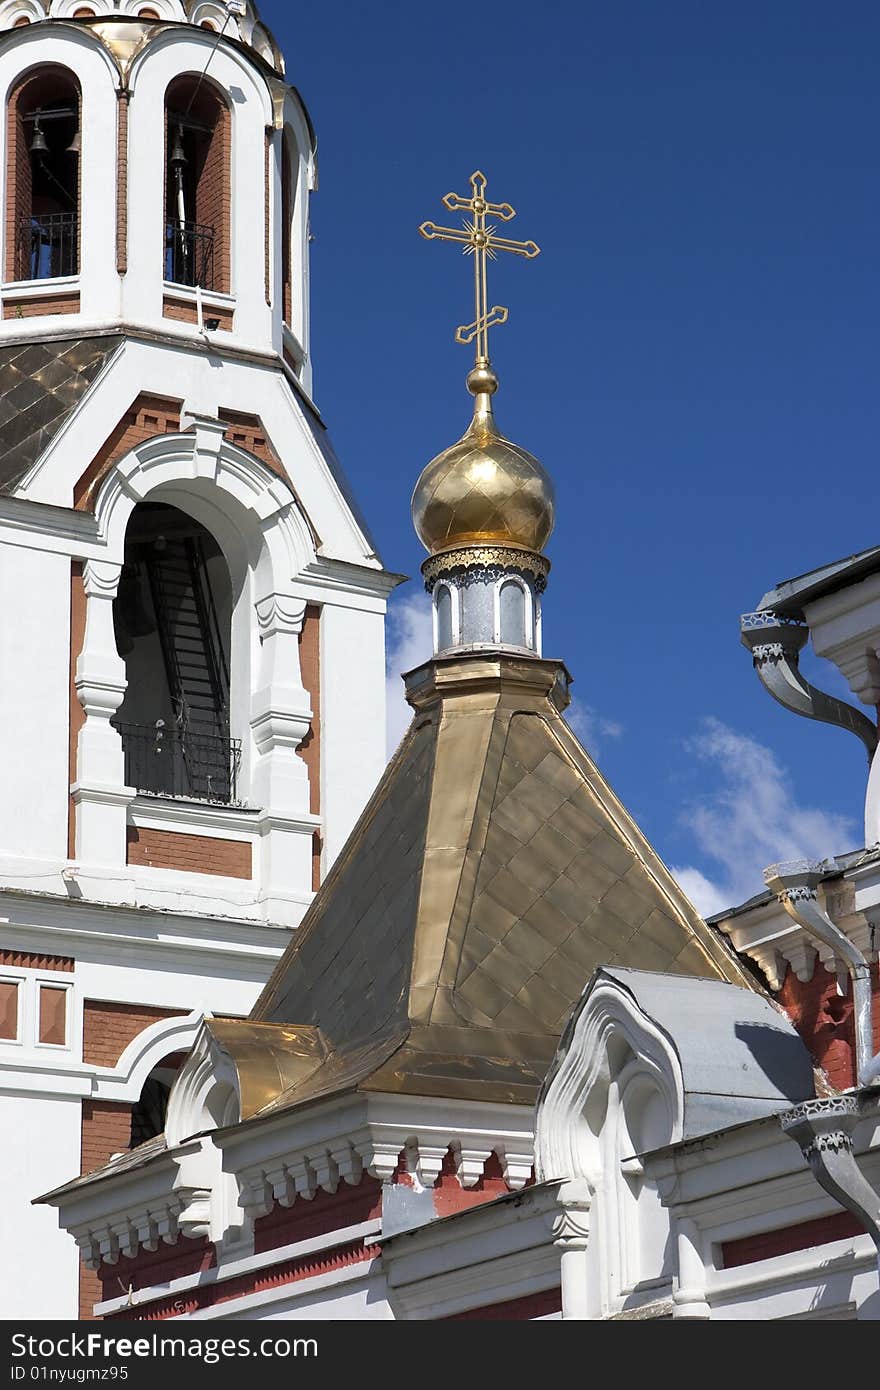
[(484, 490), (482, 379)]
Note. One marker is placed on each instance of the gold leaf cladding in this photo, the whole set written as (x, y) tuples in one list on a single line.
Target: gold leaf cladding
[(491, 874)]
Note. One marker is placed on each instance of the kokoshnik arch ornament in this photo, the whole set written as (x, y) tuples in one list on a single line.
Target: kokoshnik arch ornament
[(484, 508)]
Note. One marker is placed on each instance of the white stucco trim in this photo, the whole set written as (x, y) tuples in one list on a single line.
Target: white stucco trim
[(249, 1264)]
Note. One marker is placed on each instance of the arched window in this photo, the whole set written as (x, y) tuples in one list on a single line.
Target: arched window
[(173, 617), (444, 618), (149, 1110), (198, 186), (42, 176), (512, 614)]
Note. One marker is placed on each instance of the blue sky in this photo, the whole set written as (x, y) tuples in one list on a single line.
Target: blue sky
[(693, 356)]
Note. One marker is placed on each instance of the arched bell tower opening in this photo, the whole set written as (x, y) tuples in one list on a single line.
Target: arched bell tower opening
[(43, 176), (172, 619), (198, 186)]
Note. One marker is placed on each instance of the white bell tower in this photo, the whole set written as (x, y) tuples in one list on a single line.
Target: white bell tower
[(186, 734)]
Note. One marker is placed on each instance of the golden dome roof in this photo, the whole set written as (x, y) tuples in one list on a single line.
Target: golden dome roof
[(484, 490)]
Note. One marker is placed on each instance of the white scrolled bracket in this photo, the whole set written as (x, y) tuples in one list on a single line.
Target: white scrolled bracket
[(775, 644), (795, 885)]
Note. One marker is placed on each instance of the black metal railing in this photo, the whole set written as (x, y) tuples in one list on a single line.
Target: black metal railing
[(166, 761), (49, 246), (189, 254)]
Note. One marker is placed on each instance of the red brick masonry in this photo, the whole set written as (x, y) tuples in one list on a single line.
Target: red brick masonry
[(192, 854)]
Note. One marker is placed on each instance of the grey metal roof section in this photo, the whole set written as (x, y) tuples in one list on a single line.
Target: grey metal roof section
[(127, 1162), (791, 596), (41, 384), (740, 1056), (838, 864)]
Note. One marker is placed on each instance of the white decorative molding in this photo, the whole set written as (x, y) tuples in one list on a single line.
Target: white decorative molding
[(774, 941), (566, 1145), (280, 1160), (125, 1081)]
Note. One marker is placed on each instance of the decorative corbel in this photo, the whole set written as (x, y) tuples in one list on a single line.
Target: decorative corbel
[(775, 643)]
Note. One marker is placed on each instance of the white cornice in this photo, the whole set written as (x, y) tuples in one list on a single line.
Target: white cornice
[(56, 925), (773, 940), (202, 815)]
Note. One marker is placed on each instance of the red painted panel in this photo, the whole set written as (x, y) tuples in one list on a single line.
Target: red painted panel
[(533, 1305), (785, 1241), (326, 1212)]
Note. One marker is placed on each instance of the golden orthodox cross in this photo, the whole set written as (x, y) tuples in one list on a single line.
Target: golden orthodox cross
[(478, 239)]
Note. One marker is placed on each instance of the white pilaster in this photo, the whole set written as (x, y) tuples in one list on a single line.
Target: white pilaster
[(99, 792), (281, 717), (571, 1235)]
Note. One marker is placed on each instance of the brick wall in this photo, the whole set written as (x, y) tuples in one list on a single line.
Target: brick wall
[(108, 1028), (214, 192), (151, 1267), (146, 417), (184, 311), (310, 748), (29, 960), (824, 1020), (40, 305), (18, 179), (106, 1130), (192, 854)]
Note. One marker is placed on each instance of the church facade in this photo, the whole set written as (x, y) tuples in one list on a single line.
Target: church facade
[(313, 1037)]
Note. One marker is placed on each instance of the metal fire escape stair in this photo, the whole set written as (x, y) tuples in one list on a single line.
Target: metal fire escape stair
[(195, 662)]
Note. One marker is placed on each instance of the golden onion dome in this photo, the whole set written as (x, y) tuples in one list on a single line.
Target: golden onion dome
[(484, 490)]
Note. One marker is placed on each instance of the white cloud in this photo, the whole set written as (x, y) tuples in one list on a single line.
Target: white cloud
[(751, 818), (410, 641), (590, 727)]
